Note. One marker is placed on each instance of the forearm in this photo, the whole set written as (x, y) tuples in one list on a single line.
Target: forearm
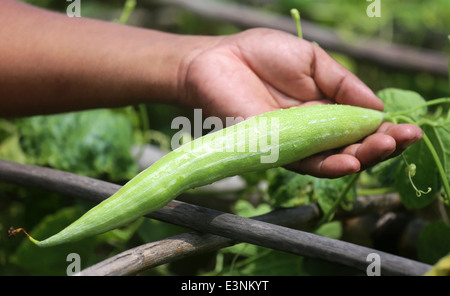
[(52, 63)]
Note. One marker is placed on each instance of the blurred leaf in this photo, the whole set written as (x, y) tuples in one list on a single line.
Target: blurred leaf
[(345, 61), (328, 191), (34, 260), (122, 234), (246, 209), (11, 150), (433, 242), (332, 230), (441, 268), (288, 189), (439, 135), (426, 176), (153, 230), (93, 143), (398, 100), (384, 171), (243, 250)]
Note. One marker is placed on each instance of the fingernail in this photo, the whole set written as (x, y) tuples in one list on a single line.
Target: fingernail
[(416, 139), (387, 154)]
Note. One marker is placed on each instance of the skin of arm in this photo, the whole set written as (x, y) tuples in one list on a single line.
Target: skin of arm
[(51, 63)]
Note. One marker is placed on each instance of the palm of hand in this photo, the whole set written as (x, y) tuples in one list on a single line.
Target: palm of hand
[(262, 70)]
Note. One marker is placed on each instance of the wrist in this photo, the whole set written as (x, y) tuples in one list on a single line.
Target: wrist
[(165, 66)]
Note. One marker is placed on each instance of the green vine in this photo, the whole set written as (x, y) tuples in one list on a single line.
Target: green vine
[(411, 172), (429, 103), (433, 152)]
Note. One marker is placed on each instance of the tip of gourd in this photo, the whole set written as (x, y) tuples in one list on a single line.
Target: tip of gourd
[(12, 232)]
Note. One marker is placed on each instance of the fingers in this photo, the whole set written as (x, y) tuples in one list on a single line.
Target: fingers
[(389, 141), (373, 149), (325, 165), (339, 84), (403, 134)]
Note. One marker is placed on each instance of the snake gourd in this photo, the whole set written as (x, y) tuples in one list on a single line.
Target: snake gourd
[(264, 141)]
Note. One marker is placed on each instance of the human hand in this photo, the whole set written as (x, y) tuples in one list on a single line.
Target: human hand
[(262, 70)]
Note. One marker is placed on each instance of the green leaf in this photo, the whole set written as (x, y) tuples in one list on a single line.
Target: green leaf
[(246, 209), (345, 60), (93, 143), (396, 100), (10, 149), (332, 230), (328, 191), (243, 250), (426, 176), (122, 234), (433, 242), (439, 135), (384, 171), (441, 268), (153, 230), (288, 189)]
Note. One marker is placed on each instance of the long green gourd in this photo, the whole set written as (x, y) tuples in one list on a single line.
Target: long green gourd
[(282, 136)]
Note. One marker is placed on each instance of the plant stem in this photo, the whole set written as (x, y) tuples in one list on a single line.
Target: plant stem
[(429, 103), (439, 167), (375, 191), (127, 10), (341, 197), (436, 159), (443, 212), (143, 114), (296, 16)]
